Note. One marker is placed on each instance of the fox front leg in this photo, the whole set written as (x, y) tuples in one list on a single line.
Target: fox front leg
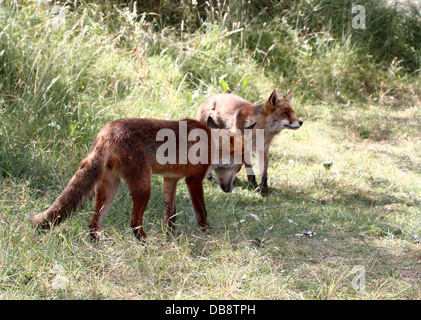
[(263, 164)]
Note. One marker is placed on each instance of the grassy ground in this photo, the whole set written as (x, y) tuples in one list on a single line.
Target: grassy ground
[(61, 83)]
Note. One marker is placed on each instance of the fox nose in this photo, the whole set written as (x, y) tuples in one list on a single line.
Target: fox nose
[(300, 123), (226, 188)]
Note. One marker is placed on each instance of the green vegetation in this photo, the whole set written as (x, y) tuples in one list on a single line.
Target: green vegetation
[(64, 75)]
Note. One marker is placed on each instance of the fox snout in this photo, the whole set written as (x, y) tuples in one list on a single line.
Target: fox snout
[(225, 175), (226, 188), (292, 124)]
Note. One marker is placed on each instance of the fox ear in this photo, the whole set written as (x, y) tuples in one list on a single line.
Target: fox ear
[(273, 98), (270, 105), (251, 126), (211, 123), (288, 97)]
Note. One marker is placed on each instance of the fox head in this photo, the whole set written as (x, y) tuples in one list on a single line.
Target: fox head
[(228, 156), (279, 114)]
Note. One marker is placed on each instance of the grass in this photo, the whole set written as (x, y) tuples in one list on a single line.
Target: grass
[(60, 85)]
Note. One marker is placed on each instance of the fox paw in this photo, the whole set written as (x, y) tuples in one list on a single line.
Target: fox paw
[(264, 190)]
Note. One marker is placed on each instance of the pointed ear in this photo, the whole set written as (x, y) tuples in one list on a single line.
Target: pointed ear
[(211, 124), (273, 98), (288, 97), (270, 105), (251, 126)]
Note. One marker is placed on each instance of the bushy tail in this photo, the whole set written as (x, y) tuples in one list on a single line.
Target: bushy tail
[(90, 171)]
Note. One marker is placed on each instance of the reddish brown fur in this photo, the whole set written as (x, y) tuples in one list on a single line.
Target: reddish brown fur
[(126, 148), (231, 111)]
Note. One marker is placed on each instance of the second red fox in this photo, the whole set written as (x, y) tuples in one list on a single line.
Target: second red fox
[(231, 111)]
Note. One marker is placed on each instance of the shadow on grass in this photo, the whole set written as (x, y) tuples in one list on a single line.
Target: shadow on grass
[(376, 126), (328, 191)]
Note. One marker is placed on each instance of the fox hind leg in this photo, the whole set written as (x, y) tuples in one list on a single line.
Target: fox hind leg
[(104, 195), (170, 187), (195, 187), (140, 189)]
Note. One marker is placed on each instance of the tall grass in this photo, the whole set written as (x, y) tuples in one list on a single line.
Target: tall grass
[(308, 45), (44, 87)]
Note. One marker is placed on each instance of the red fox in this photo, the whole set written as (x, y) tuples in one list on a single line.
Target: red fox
[(133, 149), (276, 114)]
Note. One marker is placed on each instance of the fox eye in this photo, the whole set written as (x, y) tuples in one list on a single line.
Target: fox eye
[(285, 113)]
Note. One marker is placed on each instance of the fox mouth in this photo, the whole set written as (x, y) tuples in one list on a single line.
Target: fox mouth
[(294, 125), (291, 127)]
